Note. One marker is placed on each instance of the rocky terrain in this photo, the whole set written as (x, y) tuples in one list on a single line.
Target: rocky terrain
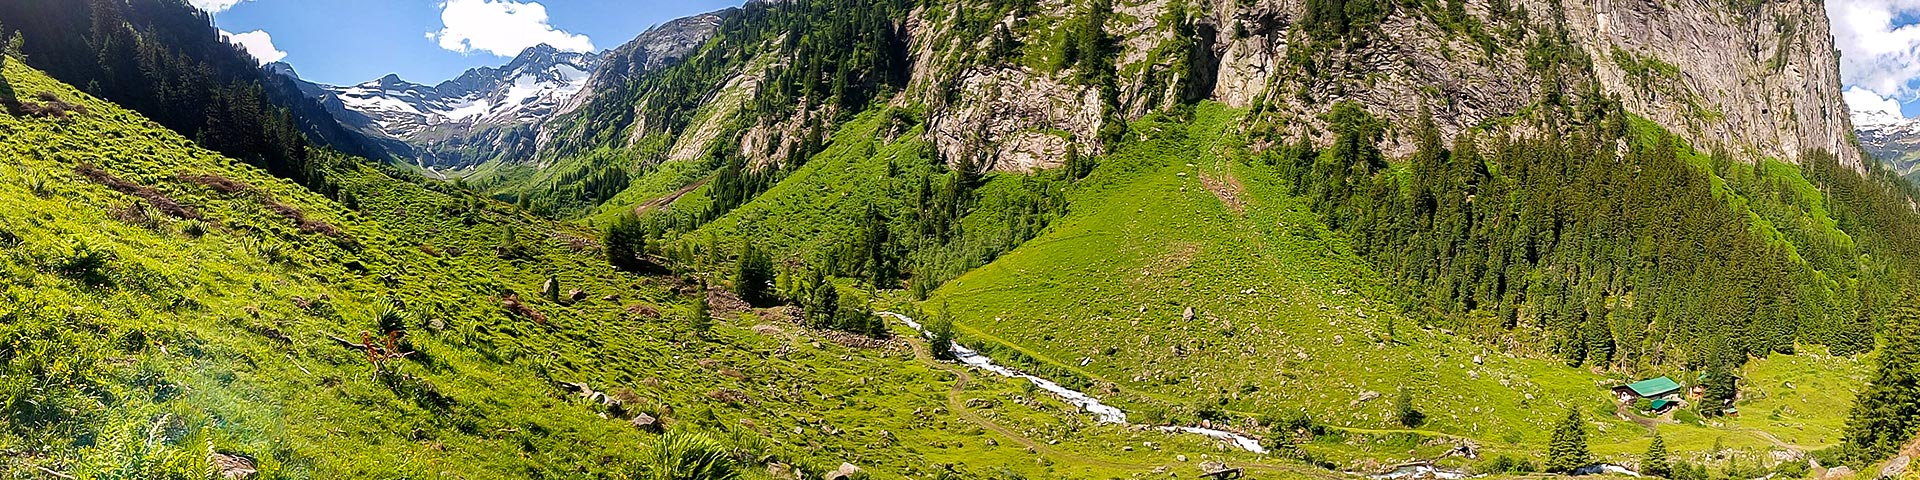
[(659, 46), (1776, 98), (459, 122), (1887, 135)]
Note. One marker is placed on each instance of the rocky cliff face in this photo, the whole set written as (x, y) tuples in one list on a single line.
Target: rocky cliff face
[(998, 86), (1760, 80), (1764, 80), (659, 46)]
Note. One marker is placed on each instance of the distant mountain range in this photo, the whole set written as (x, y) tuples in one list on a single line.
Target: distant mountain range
[(484, 105), (492, 113), (1890, 137)]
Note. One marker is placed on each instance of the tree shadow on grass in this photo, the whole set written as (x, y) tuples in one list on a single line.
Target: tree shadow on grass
[(6, 88), (9, 103)]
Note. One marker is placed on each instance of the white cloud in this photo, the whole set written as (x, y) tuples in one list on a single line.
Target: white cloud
[(1871, 109), (1878, 53), (214, 6), (501, 27), (258, 43)]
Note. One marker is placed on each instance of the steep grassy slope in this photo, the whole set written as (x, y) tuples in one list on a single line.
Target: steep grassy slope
[(1287, 318), (135, 335), (158, 302)]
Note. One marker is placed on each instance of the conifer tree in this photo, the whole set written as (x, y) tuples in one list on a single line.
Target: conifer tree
[(940, 329), (1599, 338), (1404, 411), (626, 240), (16, 45), (1721, 383), (701, 321), (1655, 462), (753, 275), (1568, 451), (1857, 336), (823, 301), (1888, 412)]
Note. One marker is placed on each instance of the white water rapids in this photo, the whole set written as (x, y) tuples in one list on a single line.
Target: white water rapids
[(1102, 412)]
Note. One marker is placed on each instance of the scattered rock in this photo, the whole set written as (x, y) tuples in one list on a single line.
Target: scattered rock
[(1367, 396), (1187, 316), (233, 467), (646, 423), (1895, 467), (1839, 472), (846, 472), (1182, 458), (643, 311), (576, 295), (781, 471)]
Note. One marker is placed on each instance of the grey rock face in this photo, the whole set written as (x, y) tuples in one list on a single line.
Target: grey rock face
[(1761, 82), (658, 47)]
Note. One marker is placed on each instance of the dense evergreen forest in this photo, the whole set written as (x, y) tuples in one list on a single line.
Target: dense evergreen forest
[(1639, 260), (164, 59)]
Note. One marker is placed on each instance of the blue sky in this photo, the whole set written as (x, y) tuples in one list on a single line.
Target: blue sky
[(1879, 42), (345, 42)]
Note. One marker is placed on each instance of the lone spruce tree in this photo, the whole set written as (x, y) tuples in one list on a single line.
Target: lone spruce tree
[(1568, 452), (941, 331), (702, 319), (753, 276), (1655, 462)]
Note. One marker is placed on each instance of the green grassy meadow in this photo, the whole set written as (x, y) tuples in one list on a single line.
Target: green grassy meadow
[(136, 342)]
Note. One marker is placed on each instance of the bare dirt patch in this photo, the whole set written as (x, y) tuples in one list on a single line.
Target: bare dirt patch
[(668, 199), (160, 201), (1228, 189)]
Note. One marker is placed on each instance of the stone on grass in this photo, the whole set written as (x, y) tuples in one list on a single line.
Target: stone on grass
[(233, 467), (646, 422), (846, 472)]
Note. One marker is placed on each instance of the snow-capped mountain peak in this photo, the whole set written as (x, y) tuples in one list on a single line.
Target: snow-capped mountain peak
[(1883, 131), (526, 90), (1872, 110)]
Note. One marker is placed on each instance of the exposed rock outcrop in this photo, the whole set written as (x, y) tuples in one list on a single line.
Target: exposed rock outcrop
[(1016, 119), (1760, 81)]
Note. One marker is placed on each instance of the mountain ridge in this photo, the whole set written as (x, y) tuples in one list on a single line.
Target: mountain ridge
[(488, 113), (1889, 137), (483, 106)]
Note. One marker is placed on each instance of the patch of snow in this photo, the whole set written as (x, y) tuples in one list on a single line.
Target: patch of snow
[(1872, 110), (466, 109), (375, 103)]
